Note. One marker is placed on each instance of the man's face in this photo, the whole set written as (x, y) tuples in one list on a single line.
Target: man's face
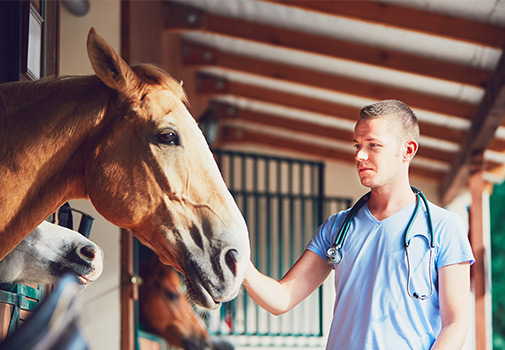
[(379, 158)]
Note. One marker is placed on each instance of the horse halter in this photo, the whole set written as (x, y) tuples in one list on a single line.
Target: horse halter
[(334, 253)]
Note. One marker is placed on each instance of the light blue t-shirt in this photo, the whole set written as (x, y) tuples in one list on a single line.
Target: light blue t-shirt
[(372, 308)]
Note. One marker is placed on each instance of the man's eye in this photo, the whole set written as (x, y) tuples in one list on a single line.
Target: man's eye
[(169, 138)]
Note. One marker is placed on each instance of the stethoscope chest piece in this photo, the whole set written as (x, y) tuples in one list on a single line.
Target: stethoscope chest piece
[(333, 255)]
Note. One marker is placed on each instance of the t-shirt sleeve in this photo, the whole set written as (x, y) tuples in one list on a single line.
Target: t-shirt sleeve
[(325, 235), (453, 246)]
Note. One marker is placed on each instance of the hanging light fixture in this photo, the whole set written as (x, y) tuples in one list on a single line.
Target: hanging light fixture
[(78, 8), (209, 124)]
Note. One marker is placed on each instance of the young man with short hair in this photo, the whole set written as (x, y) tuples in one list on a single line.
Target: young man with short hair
[(386, 297)]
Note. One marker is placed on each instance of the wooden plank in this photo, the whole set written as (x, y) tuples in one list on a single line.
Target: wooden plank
[(233, 135), (52, 35), (5, 319), (490, 114), (478, 269), (225, 111), (141, 31), (211, 84), (497, 145), (452, 27), (181, 17), (201, 55), (128, 329)]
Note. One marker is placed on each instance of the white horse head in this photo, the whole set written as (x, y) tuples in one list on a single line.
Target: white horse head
[(49, 252)]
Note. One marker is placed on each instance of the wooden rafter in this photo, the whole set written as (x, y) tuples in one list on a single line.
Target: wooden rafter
[(182, 17), (224, 111), (407, 18), (200, 55), (211, 84), (490, 115), (233, 135)]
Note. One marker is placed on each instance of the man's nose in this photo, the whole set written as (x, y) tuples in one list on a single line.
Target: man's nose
[(361, 155)]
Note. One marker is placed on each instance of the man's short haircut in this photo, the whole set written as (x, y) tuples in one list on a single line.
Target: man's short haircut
[(404, 118)]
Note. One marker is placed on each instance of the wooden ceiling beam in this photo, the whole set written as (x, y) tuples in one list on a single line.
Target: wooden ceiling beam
[(497, 145), (233, 135), (479, 33), (210, 84), (490, 115), (181, 17), (226, 111), (200, 55)]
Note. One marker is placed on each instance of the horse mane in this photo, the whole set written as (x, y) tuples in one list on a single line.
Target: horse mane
[(148, 74), (14, 93), (152, 74)]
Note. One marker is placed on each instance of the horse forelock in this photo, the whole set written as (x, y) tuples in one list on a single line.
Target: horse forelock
[(150, 74)]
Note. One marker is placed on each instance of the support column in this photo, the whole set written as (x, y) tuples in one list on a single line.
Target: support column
[(128, 292), (479, 270)]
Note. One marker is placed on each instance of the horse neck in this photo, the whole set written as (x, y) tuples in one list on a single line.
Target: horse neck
[(44, 124)]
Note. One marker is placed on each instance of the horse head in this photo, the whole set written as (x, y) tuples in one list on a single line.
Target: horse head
[(48, 253), (165, 310), (153, 173)]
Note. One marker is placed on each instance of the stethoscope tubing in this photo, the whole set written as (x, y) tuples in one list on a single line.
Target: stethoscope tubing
[(334, 253)]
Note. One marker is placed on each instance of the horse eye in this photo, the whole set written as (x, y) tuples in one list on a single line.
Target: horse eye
[(169, 138), (171, 295)]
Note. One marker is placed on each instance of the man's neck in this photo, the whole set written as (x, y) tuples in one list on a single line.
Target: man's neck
[(386, 201)]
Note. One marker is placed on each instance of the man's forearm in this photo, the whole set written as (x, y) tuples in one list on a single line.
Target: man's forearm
[(266, 292), (451, 337)]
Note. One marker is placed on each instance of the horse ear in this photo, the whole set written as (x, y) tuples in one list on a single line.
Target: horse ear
[(108, 65)]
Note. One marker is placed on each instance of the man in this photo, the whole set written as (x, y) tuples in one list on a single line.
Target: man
[(373, 308)]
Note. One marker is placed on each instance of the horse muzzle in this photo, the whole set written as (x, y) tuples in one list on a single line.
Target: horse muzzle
[(90, 256), (210, 284)]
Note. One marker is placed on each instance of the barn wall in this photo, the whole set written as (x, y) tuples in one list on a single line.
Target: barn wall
[(101, 314)]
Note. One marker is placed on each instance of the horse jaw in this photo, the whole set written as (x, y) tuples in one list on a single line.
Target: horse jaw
[(49, 252), (209, 277)]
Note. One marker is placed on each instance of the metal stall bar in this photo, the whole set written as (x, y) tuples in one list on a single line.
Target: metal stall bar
[(282, 200)]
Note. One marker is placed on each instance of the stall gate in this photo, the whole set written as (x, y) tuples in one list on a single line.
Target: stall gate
[(283, 203)]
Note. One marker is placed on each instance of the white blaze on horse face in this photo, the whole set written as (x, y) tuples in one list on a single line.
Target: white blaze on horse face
[(205, 217), (50, 251)]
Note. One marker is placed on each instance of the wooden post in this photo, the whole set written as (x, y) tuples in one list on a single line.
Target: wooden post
[(478, 269), (127, 292)]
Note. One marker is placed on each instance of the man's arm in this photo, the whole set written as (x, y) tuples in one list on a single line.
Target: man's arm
[(299, 282), (454, 293)]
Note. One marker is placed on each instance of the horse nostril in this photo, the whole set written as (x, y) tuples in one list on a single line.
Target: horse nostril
[(231, 259), (88, 252)]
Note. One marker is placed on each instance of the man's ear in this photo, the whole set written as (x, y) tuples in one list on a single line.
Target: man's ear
[(411, 148)]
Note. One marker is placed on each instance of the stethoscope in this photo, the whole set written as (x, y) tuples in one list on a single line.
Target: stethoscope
[(334, 253)]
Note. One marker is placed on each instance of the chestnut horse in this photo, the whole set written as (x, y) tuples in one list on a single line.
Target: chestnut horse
[(165, 310), (124, 139)]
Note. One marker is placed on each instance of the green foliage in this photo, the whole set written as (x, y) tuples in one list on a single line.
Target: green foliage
[(497, 208)]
